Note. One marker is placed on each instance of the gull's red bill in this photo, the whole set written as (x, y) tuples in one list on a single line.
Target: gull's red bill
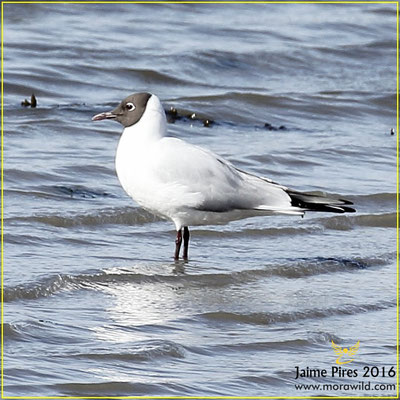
[(104, 115)]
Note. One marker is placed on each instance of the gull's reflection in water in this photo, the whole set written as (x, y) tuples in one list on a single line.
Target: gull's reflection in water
[(143, 298), (178, 267)]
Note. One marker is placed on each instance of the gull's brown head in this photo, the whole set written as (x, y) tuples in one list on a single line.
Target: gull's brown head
[(129, 111)]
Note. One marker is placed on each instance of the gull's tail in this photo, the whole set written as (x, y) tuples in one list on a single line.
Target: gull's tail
[(313, 202)]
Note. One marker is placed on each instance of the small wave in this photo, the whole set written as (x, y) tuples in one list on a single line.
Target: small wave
[(270, 231), (344, 222), (21, 176), (320, 265), (102, 389), (271, 318), (158, 387), (376, 198), (153, 76), (294, 344), (118, 216), (44, 288), (144, 351), (387, 101), (390, 12), (253, 98)]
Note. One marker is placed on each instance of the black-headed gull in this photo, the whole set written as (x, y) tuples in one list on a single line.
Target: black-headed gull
[(191, 185)]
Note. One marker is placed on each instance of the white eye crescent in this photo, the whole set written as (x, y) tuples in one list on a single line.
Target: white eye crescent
[(130, 106)]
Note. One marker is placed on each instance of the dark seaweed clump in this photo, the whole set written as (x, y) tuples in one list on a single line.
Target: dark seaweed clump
[(32, 103)]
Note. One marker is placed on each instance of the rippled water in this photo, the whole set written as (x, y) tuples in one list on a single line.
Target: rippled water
[(94, 304)]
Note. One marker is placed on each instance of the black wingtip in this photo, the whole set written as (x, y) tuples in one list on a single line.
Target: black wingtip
[(313, 202)]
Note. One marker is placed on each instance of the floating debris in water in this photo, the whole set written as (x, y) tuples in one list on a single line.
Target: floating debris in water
[(32, 103), (80, 192), (271, 127), (173, 112), (392, 131), (173, 115)]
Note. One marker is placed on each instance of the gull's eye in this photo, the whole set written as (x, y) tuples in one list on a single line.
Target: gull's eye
[(130, 106)]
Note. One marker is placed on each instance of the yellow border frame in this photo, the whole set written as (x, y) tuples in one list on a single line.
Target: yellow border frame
[(2, 197)]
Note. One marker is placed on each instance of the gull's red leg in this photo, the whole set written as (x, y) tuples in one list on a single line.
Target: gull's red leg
[(178, 242)]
